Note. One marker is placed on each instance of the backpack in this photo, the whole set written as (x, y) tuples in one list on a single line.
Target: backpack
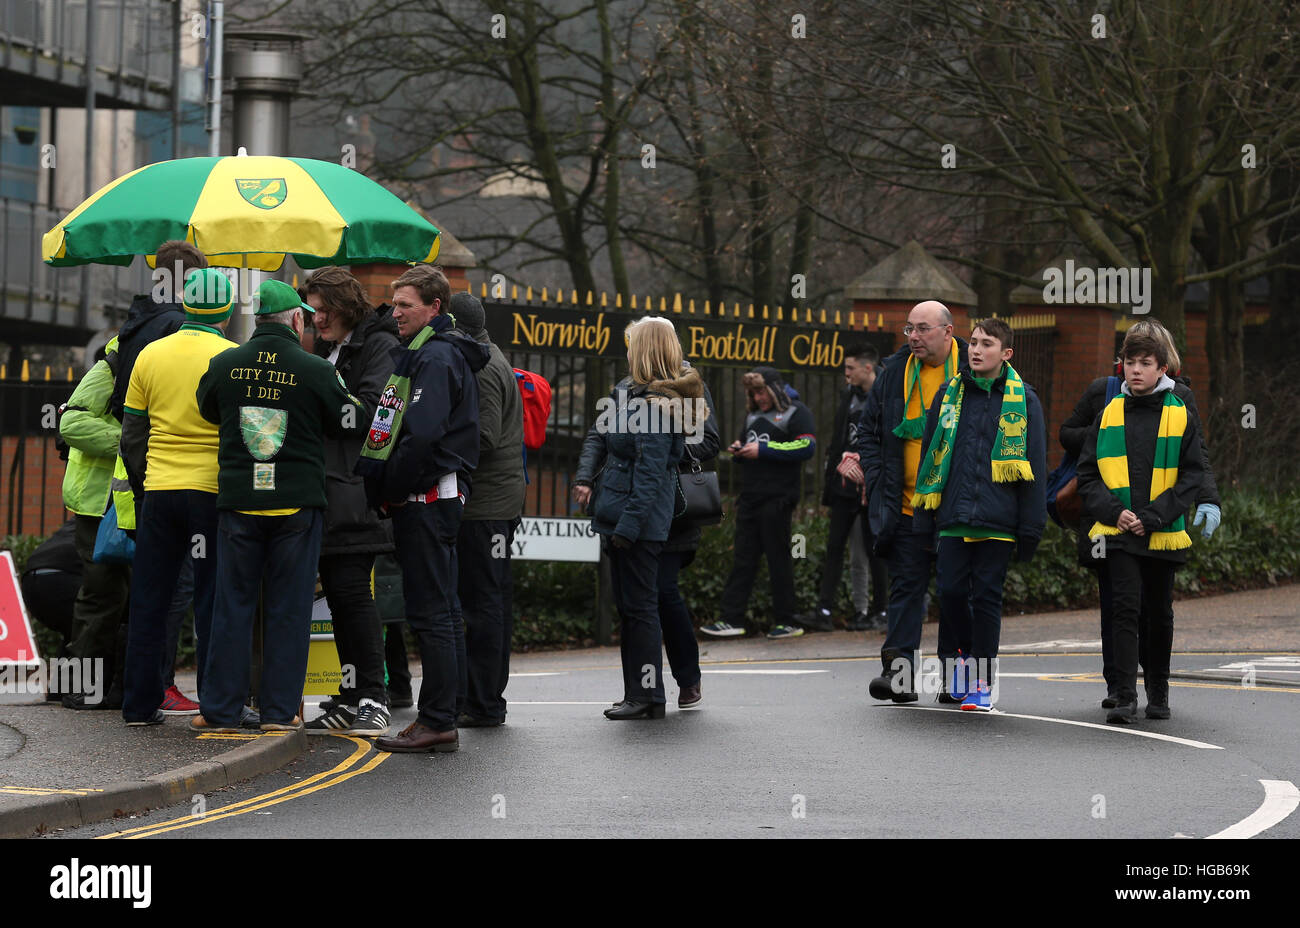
[(1063, 503), (536, 394)]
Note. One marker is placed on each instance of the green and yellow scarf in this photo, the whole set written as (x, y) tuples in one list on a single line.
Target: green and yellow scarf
[(1009, 459), (913, 426), (387, 423), (1112, 462)]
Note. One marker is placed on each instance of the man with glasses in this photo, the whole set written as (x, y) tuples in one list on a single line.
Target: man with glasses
[(889, 454)]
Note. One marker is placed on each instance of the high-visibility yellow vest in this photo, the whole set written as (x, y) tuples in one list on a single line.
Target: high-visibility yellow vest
[(123, 498)]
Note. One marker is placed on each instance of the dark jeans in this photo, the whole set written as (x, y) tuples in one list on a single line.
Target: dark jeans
[(844, 515), (358, 636), (274, 557), (101, 604), (635, 572), (1142, 624), (486, 590), (762, 530), (970, 578), (425, 534), (909, 578), (180, 607), (675, 620), (395, 659), (172, 526)]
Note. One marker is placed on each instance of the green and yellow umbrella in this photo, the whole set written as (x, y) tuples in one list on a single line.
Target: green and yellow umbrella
[(244, 211)]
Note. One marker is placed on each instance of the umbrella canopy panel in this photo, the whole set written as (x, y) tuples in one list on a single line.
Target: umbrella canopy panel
[(244, 211)]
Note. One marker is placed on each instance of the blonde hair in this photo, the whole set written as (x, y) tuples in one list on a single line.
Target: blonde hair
[(653, 351), (1151, 328)]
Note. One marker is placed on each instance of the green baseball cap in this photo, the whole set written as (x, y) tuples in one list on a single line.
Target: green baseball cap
[(275, 296), (209, 295)]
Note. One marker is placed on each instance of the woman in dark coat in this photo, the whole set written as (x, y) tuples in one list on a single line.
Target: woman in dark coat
[(360, 342), (701, 446), (641, 431)]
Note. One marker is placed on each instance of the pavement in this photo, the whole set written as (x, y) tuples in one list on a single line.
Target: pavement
[(62, 769)]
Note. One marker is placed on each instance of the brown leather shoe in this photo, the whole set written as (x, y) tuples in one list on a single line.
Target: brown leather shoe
[(416, 739), (689, 697)]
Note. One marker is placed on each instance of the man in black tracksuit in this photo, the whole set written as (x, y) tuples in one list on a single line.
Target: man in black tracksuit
[(775, 440), (420, 475)]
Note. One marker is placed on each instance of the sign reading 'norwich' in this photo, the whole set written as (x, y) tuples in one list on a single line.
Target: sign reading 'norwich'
[(706, 340)]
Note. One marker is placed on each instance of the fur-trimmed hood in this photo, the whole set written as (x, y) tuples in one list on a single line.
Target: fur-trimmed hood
[(770, 378)]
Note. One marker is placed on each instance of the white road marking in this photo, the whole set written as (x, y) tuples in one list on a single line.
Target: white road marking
[(521, 702), (769, 672), (1055, 643), (1280, 799), (1116, 729)]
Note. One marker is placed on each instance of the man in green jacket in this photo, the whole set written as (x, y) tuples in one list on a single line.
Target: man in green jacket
[(275, 404), (92, 434)]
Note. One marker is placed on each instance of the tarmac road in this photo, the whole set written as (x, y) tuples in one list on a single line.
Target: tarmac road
[(798, 749)]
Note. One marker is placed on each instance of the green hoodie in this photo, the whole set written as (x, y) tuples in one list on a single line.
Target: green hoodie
[(92, 435)]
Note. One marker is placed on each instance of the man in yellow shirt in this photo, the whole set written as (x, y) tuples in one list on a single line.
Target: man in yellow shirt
[(170, 452), (889, 453)]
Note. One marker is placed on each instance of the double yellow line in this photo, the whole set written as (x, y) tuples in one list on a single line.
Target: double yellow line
[(315, 782)]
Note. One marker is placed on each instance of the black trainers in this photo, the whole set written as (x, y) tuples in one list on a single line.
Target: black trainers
[(337, 720), (400, 700), (784, 631), (860, 622), (372, 720), (155, 719), (818, 620)]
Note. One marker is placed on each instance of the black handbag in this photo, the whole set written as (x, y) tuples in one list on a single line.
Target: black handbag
[(699, 498)]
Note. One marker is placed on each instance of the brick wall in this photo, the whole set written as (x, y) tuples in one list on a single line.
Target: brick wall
[(32, 501), (377, 279)]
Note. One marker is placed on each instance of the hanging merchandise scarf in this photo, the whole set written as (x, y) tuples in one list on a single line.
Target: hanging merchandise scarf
[(1112, 462), (1009, 461), (387, 423), (913, 426)]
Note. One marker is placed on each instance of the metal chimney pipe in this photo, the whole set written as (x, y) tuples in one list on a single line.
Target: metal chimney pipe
[(265, 69)]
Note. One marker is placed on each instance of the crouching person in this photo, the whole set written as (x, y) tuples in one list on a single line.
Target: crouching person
[(275, 405), (981, 484)]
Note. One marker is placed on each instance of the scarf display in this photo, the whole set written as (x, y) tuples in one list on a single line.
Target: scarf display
[(387, 422), (913, 426), (1112, 462), (1009, 460)]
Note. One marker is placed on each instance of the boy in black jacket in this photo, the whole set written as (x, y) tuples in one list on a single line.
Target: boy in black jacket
[(1140, 470), (981, 482)]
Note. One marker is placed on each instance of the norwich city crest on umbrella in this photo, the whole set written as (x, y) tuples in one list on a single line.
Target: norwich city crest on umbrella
[(263, 192), (263, 430)]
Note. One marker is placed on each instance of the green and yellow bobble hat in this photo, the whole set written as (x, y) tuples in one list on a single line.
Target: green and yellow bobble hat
[(209, 297), (275, 296)]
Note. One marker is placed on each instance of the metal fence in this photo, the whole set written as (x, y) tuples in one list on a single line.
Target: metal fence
[(31, 473), (578, 379)]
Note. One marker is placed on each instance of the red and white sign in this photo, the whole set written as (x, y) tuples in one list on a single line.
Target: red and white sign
[(17, 643)]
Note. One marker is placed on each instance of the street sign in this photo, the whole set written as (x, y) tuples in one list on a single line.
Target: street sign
[(556, 540), (18, 655)]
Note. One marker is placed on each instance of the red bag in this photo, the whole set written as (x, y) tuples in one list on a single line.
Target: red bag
[(536, 393)]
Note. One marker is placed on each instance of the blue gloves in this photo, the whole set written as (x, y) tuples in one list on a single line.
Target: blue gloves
[(1211, 515)]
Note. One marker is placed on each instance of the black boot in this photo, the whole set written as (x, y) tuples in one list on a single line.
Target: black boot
[(1157, 699), (883, 687)]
